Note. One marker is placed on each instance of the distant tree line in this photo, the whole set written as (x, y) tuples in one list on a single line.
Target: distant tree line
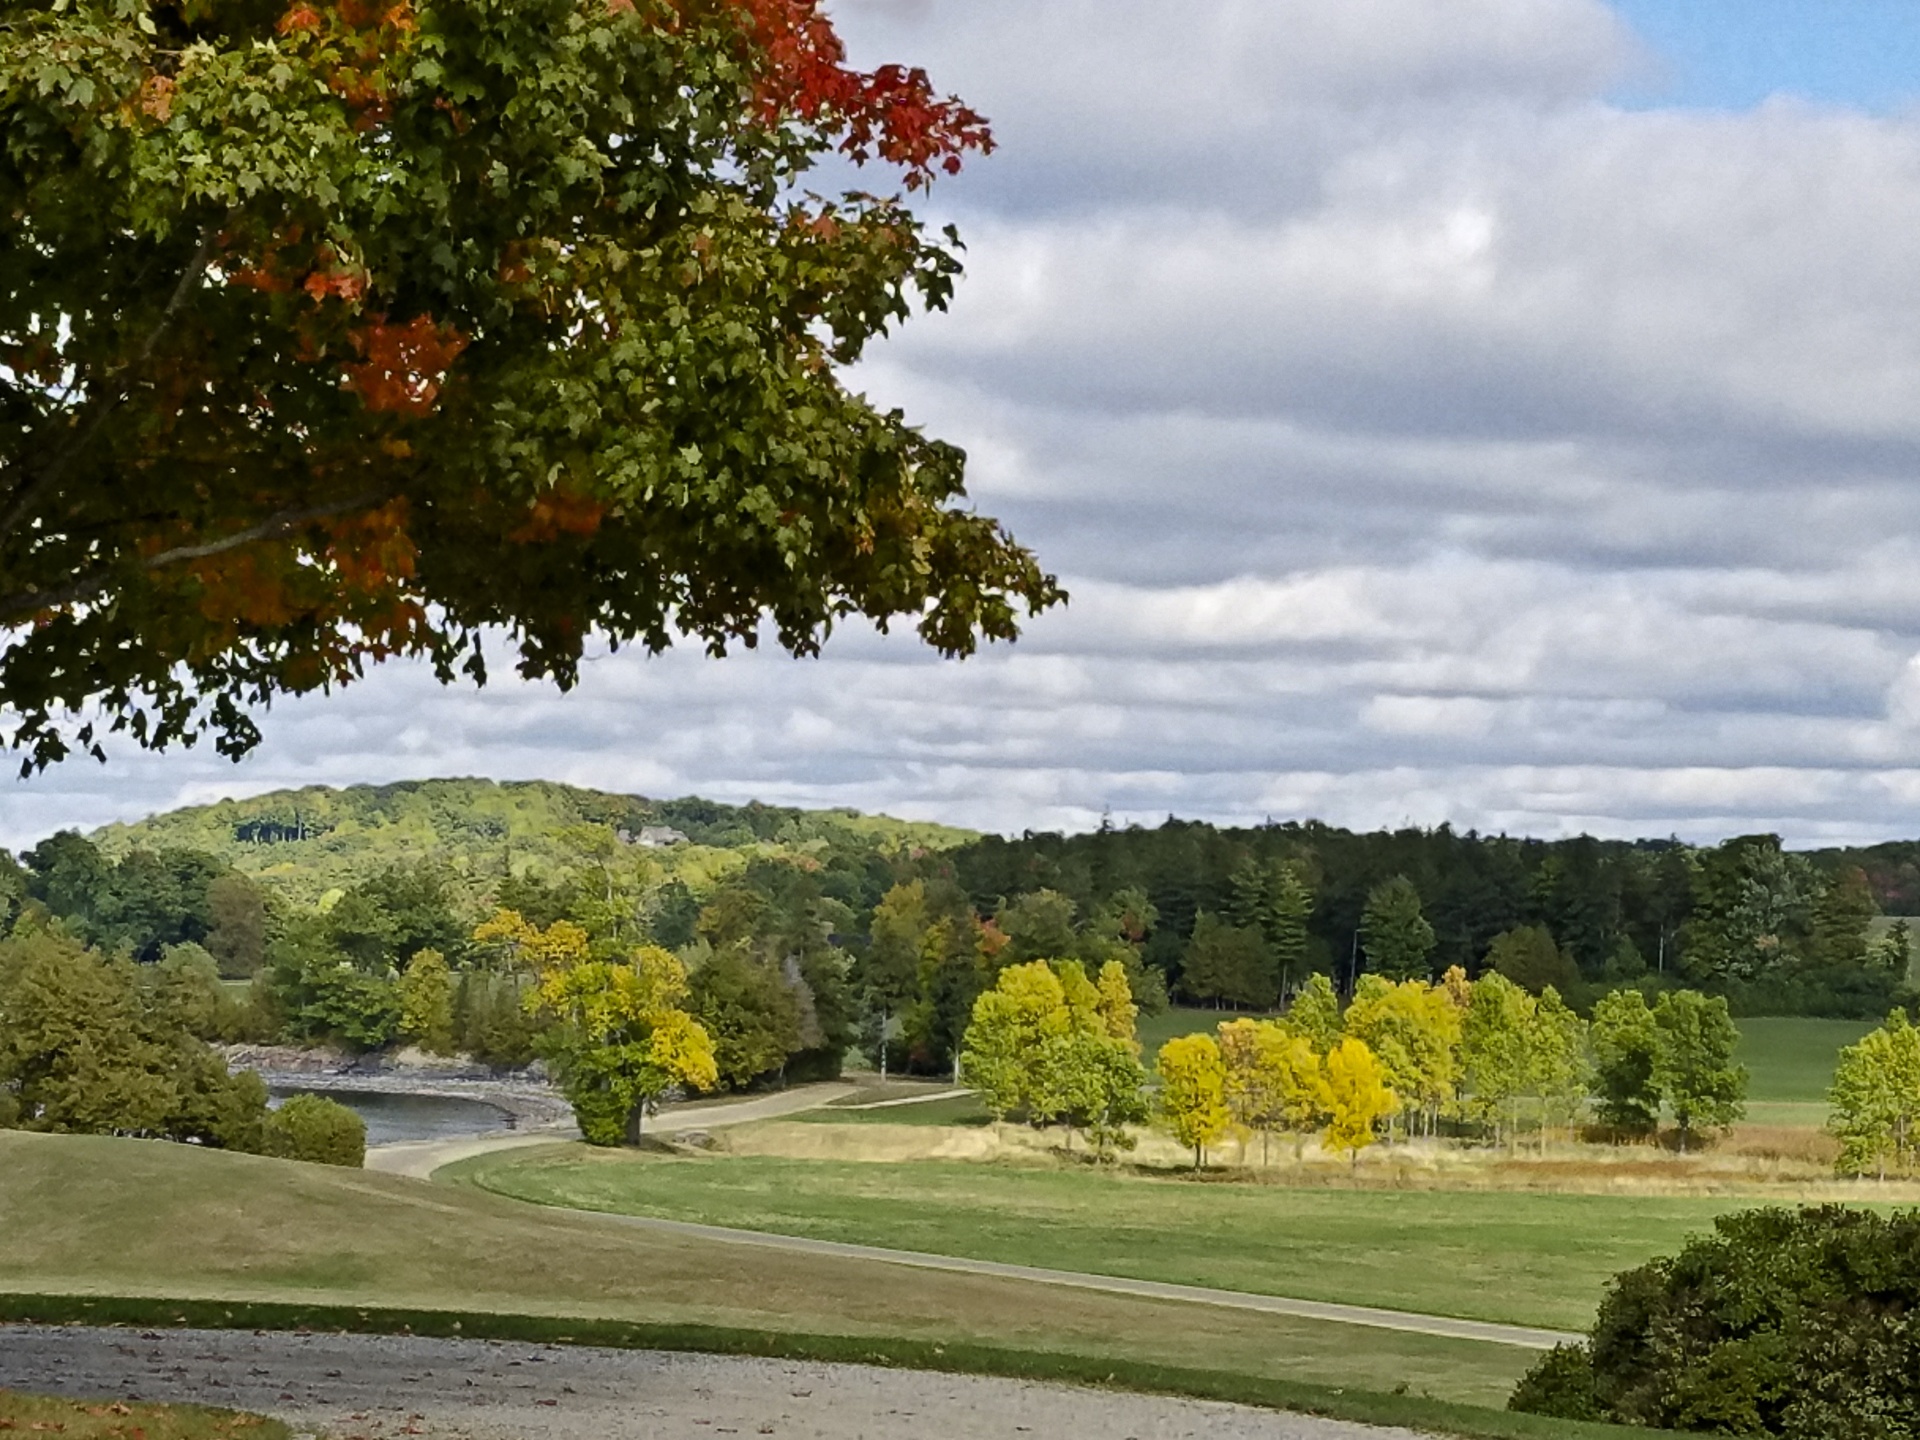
[(1241, 915), (796, 948)]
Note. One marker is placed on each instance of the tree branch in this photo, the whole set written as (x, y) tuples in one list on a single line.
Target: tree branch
[(24, 604), (35, 485)]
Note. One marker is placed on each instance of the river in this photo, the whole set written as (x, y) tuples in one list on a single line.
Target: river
[(391, 1117)]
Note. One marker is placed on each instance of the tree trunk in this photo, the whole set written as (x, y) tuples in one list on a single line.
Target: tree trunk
[(883, 1044), (636, 1118)]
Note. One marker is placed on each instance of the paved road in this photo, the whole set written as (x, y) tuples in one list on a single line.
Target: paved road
[(389, 1386), (420, 1158)]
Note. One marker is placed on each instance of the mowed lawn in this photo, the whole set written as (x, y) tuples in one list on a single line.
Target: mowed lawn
[(1519, 1258), (1791, 1060), (98, 1216)]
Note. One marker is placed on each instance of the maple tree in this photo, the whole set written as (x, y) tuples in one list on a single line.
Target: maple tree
[(332, 332)]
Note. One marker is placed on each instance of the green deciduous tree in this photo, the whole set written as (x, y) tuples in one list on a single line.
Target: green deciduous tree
[(1694, 1065), (1875, 1099), (1395, 934), (339, 331), (1315, 1014), (1626, 1046), (1494, 1039)]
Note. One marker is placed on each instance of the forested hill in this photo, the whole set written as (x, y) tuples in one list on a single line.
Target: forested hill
[(306, 842)]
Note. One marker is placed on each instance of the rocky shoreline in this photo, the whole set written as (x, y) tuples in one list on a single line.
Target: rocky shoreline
[(528, 1099)]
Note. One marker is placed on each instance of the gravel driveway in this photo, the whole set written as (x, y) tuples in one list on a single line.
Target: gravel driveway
[(361, 1385)]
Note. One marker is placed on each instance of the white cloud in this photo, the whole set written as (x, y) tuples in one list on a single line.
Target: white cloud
[(1423, 437)]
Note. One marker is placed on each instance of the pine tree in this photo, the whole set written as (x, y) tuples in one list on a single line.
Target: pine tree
[(1394, 933)]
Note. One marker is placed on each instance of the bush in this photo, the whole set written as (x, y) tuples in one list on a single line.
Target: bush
[(314, 1128), (1801, 1324), (1561, 1385)]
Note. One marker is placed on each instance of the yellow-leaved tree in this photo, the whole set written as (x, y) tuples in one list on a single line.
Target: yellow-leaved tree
[(616, 1035), (426, 1002), (1413, 1029), (1274, 1080), (1358, 1097), (1193, 1092), (1115, 1005)]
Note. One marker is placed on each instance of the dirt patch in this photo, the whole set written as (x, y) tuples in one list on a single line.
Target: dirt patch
[(374, 1386)]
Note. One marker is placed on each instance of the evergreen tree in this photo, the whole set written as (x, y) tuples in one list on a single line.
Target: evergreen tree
[(1395, 934), (1842, 911)]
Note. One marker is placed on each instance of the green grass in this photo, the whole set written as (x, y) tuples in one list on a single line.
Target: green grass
[(107, 1217), (1526, 1259), (960, 1110), (120, 1420), (1155, 1030), (1793, 1059)]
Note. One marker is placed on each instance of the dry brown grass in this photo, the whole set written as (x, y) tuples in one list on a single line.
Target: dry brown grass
[(1776, 1162)]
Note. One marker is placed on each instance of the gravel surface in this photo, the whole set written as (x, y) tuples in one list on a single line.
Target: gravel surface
[(377, 1386)]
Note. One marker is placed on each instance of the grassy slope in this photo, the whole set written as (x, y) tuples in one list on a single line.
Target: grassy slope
[(127, 1217), (1792, 1060), (113, 1419), (1519, 1258), (474, 826)]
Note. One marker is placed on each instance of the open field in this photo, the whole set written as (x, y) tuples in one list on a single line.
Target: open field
[(1525, 1259), (115, 1420), (99, 1216), (1156, 1030), (1793, 1059)]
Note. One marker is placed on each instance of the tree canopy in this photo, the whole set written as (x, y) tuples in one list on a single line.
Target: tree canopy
[(331, 332)]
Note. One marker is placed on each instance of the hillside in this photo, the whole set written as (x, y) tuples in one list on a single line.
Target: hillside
[(311, 840)]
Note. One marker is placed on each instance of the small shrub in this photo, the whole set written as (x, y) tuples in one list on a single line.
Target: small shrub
[(1560, 1385), (314, 1128)]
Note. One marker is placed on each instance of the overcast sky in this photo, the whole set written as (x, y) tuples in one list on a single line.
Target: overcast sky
[(1504, 412)]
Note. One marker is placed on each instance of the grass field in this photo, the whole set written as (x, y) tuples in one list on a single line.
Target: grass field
[(1520, 1258), (117, 1420), (1792, 1060), (1156, 1030), (99, 1216), (959, 1110)]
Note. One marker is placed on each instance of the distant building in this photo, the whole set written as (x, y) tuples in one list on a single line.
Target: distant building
[(653, 837)]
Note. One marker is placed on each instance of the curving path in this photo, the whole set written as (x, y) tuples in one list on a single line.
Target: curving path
[(384, 1386), (420, 1158)]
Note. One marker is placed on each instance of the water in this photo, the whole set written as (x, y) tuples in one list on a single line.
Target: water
[(392, 1117)]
